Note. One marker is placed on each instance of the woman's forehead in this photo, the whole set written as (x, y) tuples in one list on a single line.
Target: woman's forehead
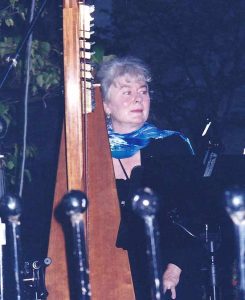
[(129, 79)]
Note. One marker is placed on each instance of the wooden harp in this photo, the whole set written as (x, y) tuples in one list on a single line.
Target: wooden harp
[(85, 164)]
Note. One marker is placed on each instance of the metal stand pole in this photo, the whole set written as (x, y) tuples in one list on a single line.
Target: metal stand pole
[(2, 243), (214, 289), (145, 204), (73, 205), (235, 207), (10, 209)]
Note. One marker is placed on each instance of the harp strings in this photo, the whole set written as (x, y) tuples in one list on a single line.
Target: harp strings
[(85, 25)]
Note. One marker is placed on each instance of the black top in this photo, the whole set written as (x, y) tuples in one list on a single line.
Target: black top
[(153, 174), (162, 172), (168, 167)]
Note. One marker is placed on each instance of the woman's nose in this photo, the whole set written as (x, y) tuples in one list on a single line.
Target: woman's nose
[(138, 97)]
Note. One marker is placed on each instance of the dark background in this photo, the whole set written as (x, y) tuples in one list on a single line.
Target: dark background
[(196, 52)]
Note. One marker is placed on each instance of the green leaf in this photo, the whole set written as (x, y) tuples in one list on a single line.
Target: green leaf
[(98, 54), (9, 22), (22, 14), (13, 2), (45, 46), (5, 113), (40, 80), (10, 165), (34, 89)]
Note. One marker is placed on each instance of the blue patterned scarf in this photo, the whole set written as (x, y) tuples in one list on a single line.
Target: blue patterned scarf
[(126, 145)]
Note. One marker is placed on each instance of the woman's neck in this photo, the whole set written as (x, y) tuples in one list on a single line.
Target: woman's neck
[(124, 129), (124, 167)]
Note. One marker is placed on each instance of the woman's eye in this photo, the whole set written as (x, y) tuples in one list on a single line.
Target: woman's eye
[(127, 93), (144, 92)]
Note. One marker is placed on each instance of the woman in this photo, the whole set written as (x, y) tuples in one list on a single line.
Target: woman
[(136, 143)]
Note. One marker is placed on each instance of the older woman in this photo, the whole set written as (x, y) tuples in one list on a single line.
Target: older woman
[(124, 83)]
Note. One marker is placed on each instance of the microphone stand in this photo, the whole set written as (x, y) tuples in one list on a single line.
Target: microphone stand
[(10, 209), (72, 207), (211, 243), (235, 207), (145, 204), (13, 60), (2, 227)]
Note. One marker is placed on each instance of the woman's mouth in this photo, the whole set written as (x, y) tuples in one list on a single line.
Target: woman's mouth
[(137, 110)]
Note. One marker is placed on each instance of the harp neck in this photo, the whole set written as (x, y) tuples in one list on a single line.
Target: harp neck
[(76, 25), (70, 3)]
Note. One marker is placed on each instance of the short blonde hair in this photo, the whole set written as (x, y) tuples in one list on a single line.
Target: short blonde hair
[(118, 67)]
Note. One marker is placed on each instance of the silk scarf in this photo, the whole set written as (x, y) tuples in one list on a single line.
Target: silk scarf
[(126, 145)]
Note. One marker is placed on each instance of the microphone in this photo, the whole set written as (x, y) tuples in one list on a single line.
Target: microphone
[(73, 205), (235, 207), (146, 205)]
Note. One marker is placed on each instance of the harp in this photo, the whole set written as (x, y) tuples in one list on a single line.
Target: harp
[(85, 164)]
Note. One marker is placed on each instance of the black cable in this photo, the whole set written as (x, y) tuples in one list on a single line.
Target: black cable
[(26, 96), (14, 59), (186, 230)]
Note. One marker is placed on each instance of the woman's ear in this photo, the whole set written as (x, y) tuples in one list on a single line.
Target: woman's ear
[(106, 108)]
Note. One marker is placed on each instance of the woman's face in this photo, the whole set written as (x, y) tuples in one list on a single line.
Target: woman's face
[(128, 103)]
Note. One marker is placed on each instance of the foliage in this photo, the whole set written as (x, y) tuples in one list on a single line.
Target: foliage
[(11, 149), (5, 113), (45, 71), (11, 162), (10, 10), (45, 54)]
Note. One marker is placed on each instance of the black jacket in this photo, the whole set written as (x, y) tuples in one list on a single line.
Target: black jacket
[(168, 177)]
